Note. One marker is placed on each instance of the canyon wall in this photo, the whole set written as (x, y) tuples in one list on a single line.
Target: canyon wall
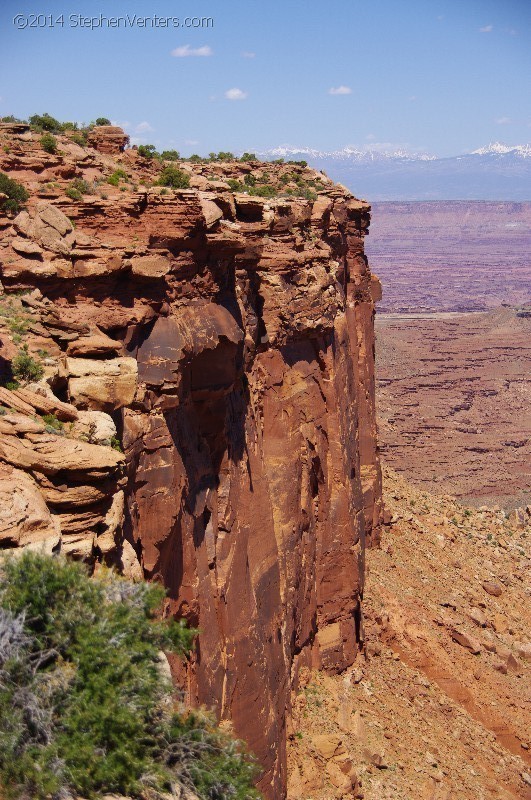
[(226, 342)]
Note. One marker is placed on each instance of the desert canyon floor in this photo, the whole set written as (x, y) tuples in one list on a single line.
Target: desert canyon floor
[(454, 402)]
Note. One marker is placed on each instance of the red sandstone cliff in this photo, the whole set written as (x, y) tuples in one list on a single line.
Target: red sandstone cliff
[(228, 342)]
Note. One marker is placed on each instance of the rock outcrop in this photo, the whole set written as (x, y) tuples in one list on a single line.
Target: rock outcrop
[(229, 340), (108, 139)]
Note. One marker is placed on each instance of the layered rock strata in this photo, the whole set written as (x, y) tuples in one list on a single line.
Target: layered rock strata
[(229, 340)]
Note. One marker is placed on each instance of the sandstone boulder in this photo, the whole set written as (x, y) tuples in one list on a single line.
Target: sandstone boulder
[(102, 385), (150, 266), (49, 454), (337, 777), (25, 247), (130, 565), (328, 745), (211, 211), (106, 541), (465, 640), (96, 344), (96, 427), (46, 404), (493, 588), (10, 399), (20, 423), (47, 229), (53, 217), (24, 517)]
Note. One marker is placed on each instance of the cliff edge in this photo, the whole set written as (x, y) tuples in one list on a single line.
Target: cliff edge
[(189, 395)]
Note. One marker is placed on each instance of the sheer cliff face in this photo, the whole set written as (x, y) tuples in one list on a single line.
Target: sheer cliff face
[(230, 341)]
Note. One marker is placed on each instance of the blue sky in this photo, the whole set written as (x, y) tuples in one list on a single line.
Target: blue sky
[(439, 76)]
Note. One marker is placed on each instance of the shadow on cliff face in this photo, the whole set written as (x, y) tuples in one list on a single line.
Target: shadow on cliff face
[(6, 372), (193, 367), (215, 417)]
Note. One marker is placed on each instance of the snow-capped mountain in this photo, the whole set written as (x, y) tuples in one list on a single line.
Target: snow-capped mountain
[(500, 149), (365, 154), (494, 172)]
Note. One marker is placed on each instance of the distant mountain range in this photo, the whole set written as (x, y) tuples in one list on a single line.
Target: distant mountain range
[(495, 172)]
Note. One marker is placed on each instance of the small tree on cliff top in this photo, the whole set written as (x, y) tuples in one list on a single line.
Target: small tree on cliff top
[(84, 706), (173, 177)]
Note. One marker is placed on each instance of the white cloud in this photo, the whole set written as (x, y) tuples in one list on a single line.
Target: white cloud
[(412, 98), (123, 125), (370, 137), (191, 141), (248, 54), (143, 127), (235, 94), (340, 90), (486, 29), (186, 50), (503, 120)]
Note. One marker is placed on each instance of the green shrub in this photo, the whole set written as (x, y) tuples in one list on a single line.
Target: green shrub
[(78, 187), (263, 191), (51, 422), (235, 186), (18, 325), (16, 194), (170, 155), (248, 157), (49, 143), (45, 122), (195, 159), (80, 138), (250, 180), (117, 176), (84, 707), (25, 368), (73, 194), (175, 178), (147, 150), (103, 121), (116, 444)]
